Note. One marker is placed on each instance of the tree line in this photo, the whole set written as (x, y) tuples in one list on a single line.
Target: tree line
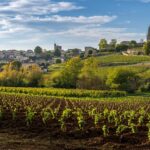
[(77, 73), (113, 46), (14, 74), (86, 75)]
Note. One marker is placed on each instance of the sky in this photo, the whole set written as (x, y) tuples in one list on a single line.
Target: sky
[(25, 24)]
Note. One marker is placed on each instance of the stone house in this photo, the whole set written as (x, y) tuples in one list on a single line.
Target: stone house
[(90, 51)]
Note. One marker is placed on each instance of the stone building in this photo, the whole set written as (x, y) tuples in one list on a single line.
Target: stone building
[(57, 47), (90, 51)]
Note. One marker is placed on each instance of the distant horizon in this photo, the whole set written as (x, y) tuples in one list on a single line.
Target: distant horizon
[(52, 48), (24, 24)]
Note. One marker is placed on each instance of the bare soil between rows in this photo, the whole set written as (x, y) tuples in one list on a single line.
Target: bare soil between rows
[(30, 139)]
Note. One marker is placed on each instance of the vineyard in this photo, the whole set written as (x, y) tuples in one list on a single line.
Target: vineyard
[(122, 59), (63, 92), (111, 121)]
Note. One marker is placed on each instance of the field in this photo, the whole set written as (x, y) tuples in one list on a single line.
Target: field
[(71, 93), (121, 59), (74, 119), (109, 62), (75, 123)]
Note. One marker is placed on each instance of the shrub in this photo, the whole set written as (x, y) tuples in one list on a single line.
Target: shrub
[(146, 48), (123, 79), (58, 61), (145, 80)]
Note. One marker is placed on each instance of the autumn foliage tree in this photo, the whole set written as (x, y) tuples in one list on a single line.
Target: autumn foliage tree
[(14, 74), (32, 75)]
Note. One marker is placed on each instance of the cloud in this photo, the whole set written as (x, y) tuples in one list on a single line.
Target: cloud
[(36, 6), (80, 36), (27, 23), (8, 23), (102, 32), (16, 15), (81, 19), (67, 19)]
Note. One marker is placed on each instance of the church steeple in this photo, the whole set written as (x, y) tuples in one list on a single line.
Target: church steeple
[(148, 35)]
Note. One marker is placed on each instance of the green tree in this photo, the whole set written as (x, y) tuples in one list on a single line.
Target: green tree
[(89, 77), (57, 52), (113, 43), (123, 79), (15, 65), (102, 44), (67, 78), (145, 80), (121, 47), (58, 61), (146, 47), (38, 50), (133, 44), (47, 55)]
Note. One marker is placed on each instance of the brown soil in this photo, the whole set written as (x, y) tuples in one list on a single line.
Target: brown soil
[(24, 139), (16, 135)]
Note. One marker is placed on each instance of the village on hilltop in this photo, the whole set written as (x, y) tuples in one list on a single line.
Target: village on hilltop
[(44, 58)]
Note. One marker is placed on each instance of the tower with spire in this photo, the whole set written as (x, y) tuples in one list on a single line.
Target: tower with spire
[(148, 35)]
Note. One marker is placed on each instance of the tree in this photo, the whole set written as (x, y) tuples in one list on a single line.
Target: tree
[(11, 78), (146, 47), (133, 44), (57, 52), (47, 55), (102, 44), (113, 43), (11, 74), (15, 75), (58, 61), (89, 77), (15, 65), (145, 81), (67, 78), (123, 79), (121, 47), (32, 75), (38, 50)]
